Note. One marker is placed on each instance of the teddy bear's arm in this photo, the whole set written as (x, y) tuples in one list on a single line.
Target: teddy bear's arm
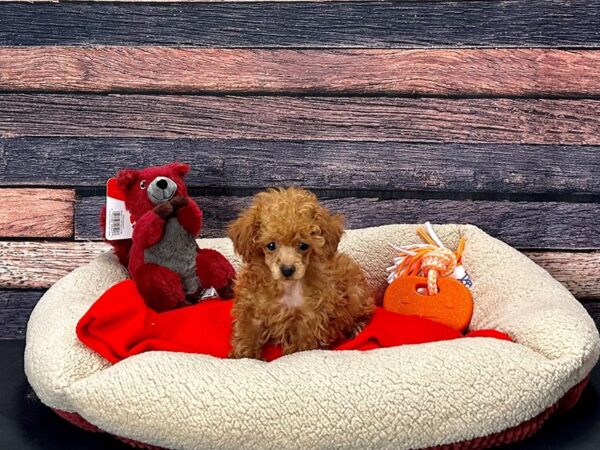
[(148, 230), (190, 217)]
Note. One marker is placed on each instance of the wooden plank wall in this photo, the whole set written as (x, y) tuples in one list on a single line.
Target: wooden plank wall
[(482, 111)]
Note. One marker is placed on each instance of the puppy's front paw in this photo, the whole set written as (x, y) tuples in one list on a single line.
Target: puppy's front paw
[(226, 292), (357, 329), (238, 352)]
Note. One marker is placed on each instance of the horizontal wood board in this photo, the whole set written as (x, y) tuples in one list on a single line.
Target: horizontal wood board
[(42, 213), (470, 72), (511, 23), (39, 264), (15, 309), (527, 121), (520, 224), (343, 165)]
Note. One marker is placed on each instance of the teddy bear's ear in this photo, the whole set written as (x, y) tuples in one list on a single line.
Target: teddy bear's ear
[(127, 178), (180, 168)]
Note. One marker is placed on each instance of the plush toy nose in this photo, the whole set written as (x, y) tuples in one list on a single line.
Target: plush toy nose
[(162, 183), (287, 271)]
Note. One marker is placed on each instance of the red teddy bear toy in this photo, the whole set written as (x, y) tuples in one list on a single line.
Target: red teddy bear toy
[(162, 256)]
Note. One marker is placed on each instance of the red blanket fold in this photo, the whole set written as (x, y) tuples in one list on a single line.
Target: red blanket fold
[(119, 325)]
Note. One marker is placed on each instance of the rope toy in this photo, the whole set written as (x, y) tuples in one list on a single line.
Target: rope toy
[(428, 260)]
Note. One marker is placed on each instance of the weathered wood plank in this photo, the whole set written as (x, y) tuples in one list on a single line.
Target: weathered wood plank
[(528, 121), (39, 213), (481, 168), (577, 271), (15, 309), (400, 72), (508, 23), (521, 224), (593, 309), (37, 265)]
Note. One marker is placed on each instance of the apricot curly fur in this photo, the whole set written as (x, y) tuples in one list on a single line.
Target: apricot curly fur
[(325, 300)]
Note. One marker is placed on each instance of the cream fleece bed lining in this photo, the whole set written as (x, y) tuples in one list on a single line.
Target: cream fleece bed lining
[(405, 397)]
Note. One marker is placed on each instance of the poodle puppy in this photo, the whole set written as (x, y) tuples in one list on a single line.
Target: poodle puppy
[(295, 289)]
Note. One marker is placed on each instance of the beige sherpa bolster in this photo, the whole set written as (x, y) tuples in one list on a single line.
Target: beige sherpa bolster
[(405, 397)]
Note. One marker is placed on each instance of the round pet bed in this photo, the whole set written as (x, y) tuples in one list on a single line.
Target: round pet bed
[(476, 392)]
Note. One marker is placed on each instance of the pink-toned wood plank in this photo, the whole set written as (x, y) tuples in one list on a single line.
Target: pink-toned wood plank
[(39, 213), (499, 72)]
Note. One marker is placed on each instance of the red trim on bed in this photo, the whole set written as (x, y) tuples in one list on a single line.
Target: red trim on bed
[(508, 436)]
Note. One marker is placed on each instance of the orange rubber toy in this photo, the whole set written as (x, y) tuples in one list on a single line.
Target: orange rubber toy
[(420, 284)]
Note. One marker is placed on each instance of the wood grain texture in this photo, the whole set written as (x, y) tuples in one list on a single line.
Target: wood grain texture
[(520, 224), (593, 309), (39, 213), (528, 121), (494, 72), (509, 23), (15, 309), (225, 164), (579, 272), (38, 265)]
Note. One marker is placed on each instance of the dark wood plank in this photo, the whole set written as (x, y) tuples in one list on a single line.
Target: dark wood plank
[(521, 224), (481, 168), (496, 72), (528, 121), (509, 23), (15, 309), (593, 309), (38, 213)]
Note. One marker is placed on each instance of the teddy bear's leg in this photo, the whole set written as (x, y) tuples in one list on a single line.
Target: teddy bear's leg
[(215, 271), (160, 287)]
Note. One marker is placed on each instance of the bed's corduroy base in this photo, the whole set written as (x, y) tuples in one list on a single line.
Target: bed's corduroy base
[(509, 436)]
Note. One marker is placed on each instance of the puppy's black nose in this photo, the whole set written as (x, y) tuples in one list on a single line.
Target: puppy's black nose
[(162, 183), (287, 271)]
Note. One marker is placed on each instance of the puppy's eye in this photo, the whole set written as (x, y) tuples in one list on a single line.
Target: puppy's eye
[(271, 246), (143, 184), (303, 246)]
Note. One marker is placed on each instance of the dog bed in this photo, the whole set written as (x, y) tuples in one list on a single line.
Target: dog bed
[(464, 393)]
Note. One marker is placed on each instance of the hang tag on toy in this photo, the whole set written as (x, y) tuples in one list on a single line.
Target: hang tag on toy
[(118, 220), (209, 293), (461, 275)]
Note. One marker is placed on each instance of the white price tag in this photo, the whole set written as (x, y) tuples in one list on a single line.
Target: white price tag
[(118, 220)]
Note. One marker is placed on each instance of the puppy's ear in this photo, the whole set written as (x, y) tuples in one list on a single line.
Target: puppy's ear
[(331, 228), (243, 231)]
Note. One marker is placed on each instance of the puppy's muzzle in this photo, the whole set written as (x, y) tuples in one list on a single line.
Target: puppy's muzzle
[(287, 271)]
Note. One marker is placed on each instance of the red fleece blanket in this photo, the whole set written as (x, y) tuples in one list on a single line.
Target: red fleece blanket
[(119, 325)]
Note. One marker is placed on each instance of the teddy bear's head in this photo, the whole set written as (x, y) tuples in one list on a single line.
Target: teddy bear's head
[(146, 188)]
